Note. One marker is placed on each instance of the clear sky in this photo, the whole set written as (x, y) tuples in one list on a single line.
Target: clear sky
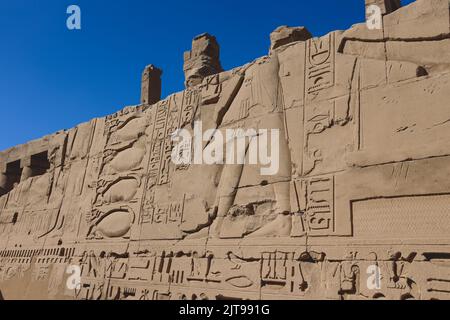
[(52, 78)]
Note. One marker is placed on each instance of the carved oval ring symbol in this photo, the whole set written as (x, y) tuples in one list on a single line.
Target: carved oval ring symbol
[(240, 282), (116, 224)]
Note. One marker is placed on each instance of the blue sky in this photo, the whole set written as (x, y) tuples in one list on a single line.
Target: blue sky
[(52, 78)]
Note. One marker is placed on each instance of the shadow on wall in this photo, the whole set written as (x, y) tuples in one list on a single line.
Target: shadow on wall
[(1, 295)]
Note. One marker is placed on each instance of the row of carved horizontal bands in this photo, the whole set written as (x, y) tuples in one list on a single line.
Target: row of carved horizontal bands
[(28, 253)]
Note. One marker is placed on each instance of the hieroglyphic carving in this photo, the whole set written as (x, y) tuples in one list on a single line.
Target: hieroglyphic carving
[(173, 213), (318, 117), (399, 278), (158, 139), (120, 174), (211, 89), (118, 119), (191, 100), (316, 200), (350, 276), (162, 221), (187, 232), (171, 115), (110, 222), (122, 188), (139, 269), (320, 64), (287, 272)]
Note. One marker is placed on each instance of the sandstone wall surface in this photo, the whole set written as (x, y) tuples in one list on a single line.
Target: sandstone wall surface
[(364, 178)]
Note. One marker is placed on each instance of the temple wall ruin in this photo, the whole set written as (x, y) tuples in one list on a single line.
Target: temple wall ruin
[(364, 178)]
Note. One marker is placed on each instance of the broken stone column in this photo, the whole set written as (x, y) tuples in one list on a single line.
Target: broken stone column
[(202, 61), (386, 6), (151, 85), (285, 35)]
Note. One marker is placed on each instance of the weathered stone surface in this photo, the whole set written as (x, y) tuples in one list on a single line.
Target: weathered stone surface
[(203, 60), (285, 35), (363, 178), (422, 19)]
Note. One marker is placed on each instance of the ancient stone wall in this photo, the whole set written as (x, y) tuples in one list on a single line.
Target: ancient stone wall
[(363, 182)]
